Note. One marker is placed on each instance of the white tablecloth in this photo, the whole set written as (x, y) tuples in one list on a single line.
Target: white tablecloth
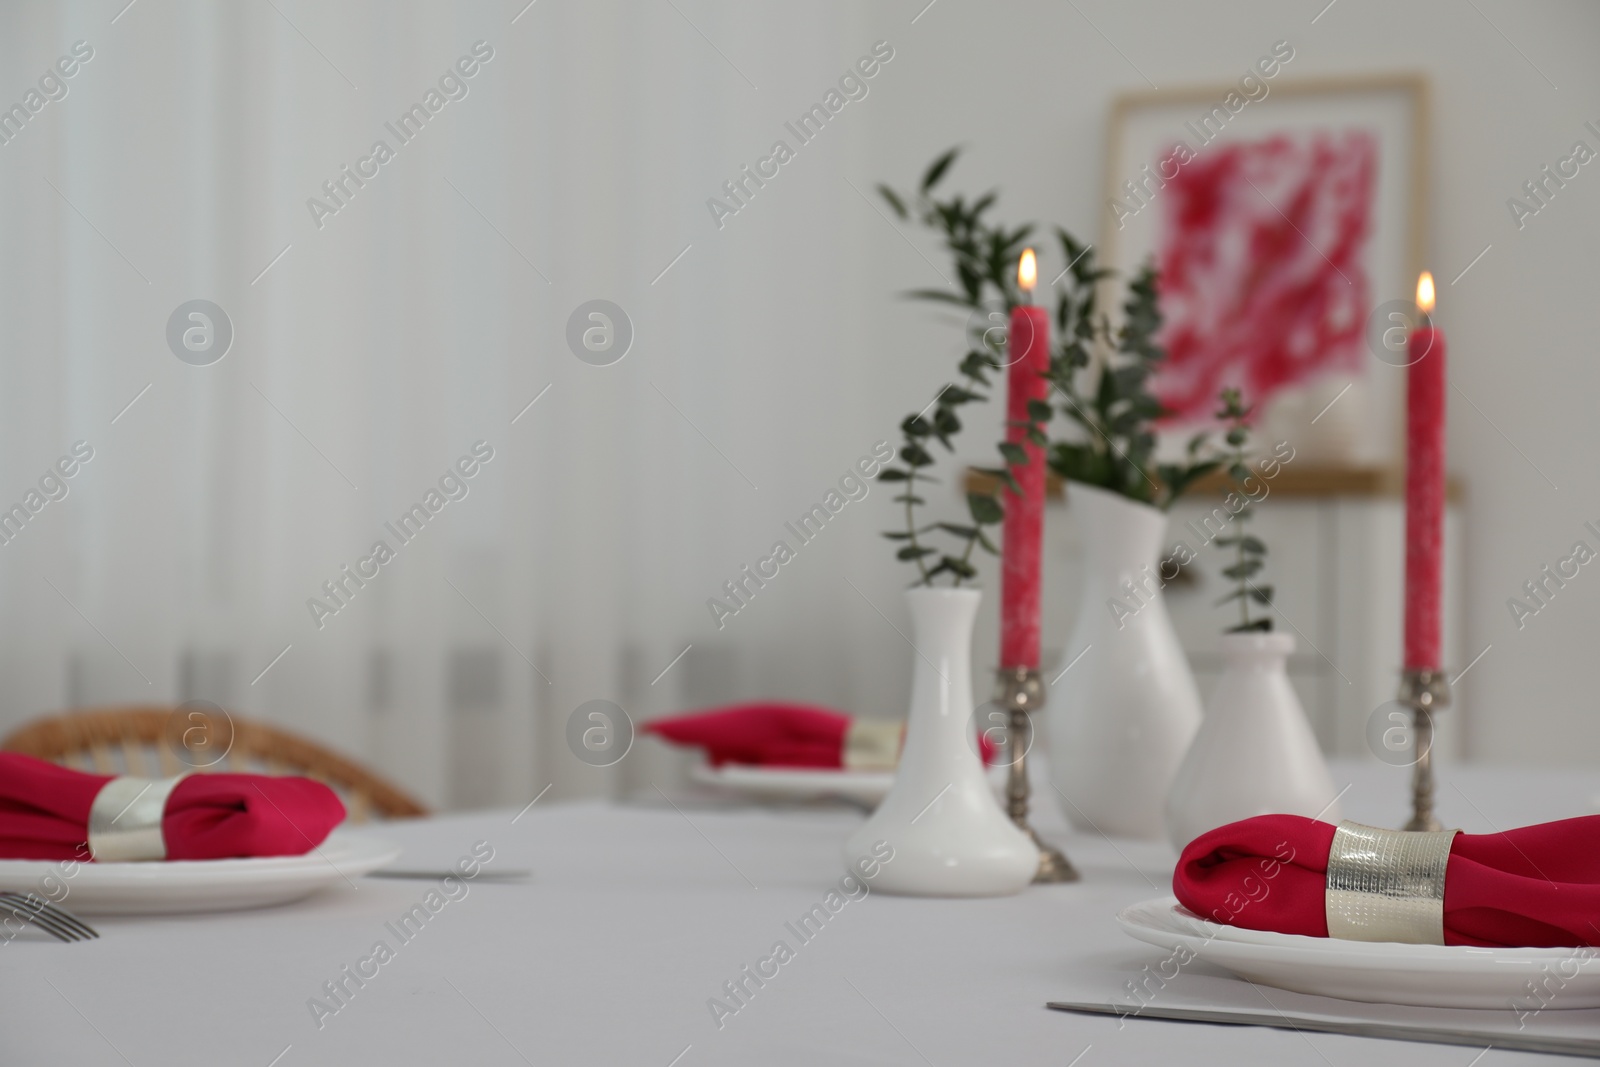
[(636, 916)]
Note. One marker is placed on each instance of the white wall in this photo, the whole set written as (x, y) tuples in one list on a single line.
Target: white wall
[(411, 325)]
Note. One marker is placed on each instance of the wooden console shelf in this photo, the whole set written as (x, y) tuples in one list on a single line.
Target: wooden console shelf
[(1292, 480)]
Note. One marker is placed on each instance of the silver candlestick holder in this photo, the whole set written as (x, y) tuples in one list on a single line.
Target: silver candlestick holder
[(1424, 692), (1020, 693)]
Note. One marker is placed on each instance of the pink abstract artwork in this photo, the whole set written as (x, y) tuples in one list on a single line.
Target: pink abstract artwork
[(1263, 284)]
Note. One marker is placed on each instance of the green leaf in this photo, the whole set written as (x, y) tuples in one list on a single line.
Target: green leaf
[(1018, 235), (1242, 570), (971, 282), (1002, 473), (907, 498), (1254, 626), (986, 510), (1080, 463), (1261, 594), (1178, 479), (894, 200), (1147, 408), (1040, 410), (1075, 413), (916, 456), (976, 366), (957, 530), (915, 552), (1014, 453), (959, 566), (890, 474), (915, 426), (937, 169), (939, 295), (1064, 312), (1069, 244), (1106, 394), (1128, 381)]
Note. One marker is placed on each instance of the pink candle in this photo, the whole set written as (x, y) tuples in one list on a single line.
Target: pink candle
[(1425, 486), (1028, 349)]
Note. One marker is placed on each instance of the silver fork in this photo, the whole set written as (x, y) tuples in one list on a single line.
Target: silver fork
[(53, 919)]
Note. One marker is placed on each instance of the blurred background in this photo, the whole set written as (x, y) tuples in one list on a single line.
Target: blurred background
[(424, 312)]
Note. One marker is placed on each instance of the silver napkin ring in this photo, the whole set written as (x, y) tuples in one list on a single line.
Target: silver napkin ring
[(1387, 885), (125, 819), (873, 744)]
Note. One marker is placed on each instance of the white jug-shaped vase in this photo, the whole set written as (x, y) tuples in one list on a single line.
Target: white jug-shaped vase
[(1124, 712), (1255, 753)]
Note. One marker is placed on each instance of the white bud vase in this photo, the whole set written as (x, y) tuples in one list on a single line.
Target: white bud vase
[(949, 835), (1255, 753), (1123, 715)]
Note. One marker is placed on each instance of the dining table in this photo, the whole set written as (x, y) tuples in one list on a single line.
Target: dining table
[(638, 932)]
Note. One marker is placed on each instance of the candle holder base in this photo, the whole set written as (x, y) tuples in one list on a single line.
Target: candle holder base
[(1020, 693), (1424, 692), (1053, 864)]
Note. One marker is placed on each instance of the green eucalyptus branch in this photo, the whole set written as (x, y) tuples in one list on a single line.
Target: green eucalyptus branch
[(985, 257), (1250, 552), (1109, 401), (984, 253), (919, 431)]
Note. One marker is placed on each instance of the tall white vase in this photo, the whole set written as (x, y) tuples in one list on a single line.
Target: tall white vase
[(1123, 715), (948, 832), (1255, 753)]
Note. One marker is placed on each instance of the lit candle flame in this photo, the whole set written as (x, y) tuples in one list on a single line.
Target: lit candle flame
[(1027, 270), (1425, 293)]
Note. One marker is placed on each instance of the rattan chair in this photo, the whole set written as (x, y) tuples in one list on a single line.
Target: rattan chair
[(151, 741)]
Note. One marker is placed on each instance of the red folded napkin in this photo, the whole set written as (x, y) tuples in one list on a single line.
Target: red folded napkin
[(1537, 886), (44, 813), (769, 734)]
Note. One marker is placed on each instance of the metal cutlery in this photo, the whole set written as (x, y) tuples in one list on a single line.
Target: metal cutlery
[(53, 919), (1558, 1044), (506, 874)]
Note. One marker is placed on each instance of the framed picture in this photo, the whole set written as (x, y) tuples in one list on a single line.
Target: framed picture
[(1283, 216)]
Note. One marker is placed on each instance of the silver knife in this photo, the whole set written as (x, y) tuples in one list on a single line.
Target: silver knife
[(1566, 1046), (503, 874)]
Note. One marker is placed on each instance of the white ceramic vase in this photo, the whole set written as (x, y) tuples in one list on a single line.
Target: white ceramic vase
[(948, 832), (1123, 714), (1255, 753)]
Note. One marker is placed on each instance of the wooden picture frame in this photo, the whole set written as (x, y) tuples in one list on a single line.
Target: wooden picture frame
[(1353, 418)]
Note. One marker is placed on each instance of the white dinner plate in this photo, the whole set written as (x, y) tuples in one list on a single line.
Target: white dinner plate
[(797, 783), (811, 783), (1429, 976), (200, 885)]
